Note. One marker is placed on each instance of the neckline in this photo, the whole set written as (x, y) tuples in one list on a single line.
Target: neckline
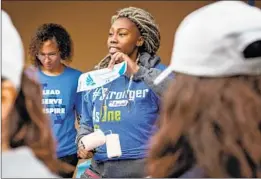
[(57, 76)]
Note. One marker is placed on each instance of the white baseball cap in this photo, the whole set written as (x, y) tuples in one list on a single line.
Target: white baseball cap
[(12, 51), (209, 42)]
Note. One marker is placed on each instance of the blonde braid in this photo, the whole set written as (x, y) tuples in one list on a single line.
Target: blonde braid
[(147, 26)]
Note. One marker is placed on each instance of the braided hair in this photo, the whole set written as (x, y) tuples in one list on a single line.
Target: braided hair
[(147, 26)]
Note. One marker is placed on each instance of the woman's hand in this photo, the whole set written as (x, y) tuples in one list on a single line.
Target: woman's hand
[(118, 57), (84, 154)]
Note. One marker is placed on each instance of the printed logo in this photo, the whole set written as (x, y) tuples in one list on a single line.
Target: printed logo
[(89, 81), (118, 103), (53, 105), (123, 69)]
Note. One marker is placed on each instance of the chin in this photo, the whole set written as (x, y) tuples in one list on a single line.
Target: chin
[(114, 51), (48, 67)]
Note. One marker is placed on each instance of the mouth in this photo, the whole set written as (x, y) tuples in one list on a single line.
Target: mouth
[(113, 50), (48, 65)]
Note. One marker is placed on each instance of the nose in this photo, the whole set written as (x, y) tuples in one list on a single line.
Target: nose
[(113, 39), (47, 58)]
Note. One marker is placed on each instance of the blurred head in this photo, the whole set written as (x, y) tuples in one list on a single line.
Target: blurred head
[(12, 66), (23, 121), (133, 30), (26, 124), (211, 112), (50, 45), (212, 123)]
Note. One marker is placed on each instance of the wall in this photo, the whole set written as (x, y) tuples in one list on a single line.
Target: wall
[(88, 22)]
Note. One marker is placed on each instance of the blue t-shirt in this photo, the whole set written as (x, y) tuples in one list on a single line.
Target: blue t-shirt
[(131, 115), (60, 102)]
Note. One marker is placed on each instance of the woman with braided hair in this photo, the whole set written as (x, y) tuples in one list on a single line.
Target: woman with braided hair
[(129, 105), (210, 123)]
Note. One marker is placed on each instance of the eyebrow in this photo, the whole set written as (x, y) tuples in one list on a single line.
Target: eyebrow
[(48, 52), (122, 28)]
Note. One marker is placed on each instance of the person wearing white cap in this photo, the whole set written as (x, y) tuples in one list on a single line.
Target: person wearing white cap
[(211, 117), (28, 149)]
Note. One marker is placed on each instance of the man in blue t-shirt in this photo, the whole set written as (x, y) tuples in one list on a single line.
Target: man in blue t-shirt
[(50, 46)]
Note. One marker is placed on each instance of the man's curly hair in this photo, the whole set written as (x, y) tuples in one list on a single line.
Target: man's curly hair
[(51, 31)]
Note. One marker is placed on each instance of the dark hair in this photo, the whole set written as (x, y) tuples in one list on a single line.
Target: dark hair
[(220, 118), (29, 126), (51, 31)]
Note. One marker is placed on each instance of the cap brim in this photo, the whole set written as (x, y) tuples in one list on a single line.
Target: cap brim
[(164, 74)]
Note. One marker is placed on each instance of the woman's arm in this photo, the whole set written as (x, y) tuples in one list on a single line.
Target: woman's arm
[(86, 123), (149, 75)]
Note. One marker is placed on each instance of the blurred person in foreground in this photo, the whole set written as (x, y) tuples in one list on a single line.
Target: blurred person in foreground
[(211, 119), (28, 149)]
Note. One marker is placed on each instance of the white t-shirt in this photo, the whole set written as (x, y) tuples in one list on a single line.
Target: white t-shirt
[(22, 163)]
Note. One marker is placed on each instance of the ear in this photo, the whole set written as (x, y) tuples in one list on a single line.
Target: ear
[(140, 41), (9, 94)]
